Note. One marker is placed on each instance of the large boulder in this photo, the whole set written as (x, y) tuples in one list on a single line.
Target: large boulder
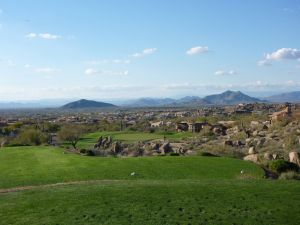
[(166, 148), (253, 158), (295, 157)]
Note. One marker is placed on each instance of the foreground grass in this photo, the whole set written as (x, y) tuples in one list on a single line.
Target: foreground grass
[(166, 190), (157, 202), (21, 166), (129, 137)]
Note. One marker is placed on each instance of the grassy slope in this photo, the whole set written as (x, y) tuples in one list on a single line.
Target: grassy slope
[(168, 190), (22, 166), (130, 137), (146, 202)]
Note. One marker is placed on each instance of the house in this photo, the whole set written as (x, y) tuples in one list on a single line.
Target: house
[(197, 127), (182, 126)]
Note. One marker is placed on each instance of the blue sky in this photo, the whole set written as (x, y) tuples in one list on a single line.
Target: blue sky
[(136, 48)]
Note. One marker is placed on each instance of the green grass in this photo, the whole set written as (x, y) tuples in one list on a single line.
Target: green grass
[(21, 166), (129, 137), (167, 190), (161, 202)]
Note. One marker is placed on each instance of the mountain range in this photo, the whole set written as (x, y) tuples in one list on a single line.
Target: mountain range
[(225, 98)]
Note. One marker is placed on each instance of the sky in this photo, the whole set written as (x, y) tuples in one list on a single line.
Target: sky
[(122, 49)]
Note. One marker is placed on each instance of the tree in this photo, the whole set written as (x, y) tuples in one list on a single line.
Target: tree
[(70, 134)]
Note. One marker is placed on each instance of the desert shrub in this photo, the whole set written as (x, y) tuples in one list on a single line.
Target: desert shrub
[(30, 137), (289, 175), (174, 154), (291, 142), (221, 150), (281, 166)]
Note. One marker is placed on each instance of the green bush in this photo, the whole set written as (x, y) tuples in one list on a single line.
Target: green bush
[(31, 137), (281, 166)]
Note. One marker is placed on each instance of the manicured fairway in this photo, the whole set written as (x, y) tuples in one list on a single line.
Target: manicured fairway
[(22, 166), (166, 190), (156, 202)]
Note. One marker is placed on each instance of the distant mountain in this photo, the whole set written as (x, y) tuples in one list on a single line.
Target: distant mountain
[(151, 102), (293, 97), (169, 102), (191, 101), (83, 103), (230, 98)]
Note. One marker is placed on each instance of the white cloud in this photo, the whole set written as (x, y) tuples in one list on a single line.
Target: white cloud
[(46, 70), (27, 66), (45, 36), (280, 54), (264, 62), (92, 71), (284, 53), (106, 61), (31, 35), (49, 36), (197, 50), (147, 51), (223, 72)]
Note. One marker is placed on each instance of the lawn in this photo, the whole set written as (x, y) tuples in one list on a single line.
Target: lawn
[(130, 136), (166, 190), (21, 166)]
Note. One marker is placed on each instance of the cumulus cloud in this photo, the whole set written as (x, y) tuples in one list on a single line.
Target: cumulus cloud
[(46, 36), (280, 54), (197, 50), (147, 51), (224, 72)]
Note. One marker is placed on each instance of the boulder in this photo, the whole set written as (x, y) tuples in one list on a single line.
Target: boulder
[(253, 158), (268, 156), (294, 157), (228, 142), (251, 150), (275, 156)]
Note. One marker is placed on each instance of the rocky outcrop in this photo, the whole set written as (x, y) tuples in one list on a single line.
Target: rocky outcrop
[(294, 157)]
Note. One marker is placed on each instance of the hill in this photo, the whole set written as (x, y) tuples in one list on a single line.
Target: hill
[(230, 98), (83, 103), (285, 97)]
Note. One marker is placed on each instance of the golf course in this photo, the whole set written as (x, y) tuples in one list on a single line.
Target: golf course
[(47, 185)]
